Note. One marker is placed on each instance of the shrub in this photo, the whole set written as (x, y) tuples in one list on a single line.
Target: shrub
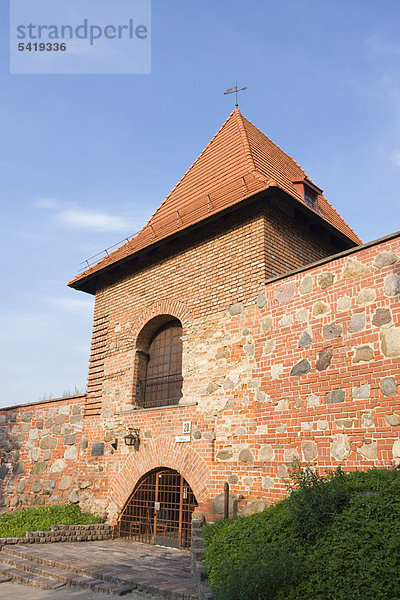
[(336, 537), (315, 499), (357, 555), (41, 518), (251, 558), (255, 578)]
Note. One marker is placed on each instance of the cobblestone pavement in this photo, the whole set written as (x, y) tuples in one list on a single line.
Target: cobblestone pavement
[(16, 591), (153, 569)]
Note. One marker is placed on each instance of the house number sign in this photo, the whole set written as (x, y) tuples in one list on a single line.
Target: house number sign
[(187, 427)]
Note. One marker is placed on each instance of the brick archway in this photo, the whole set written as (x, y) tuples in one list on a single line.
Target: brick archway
[(162, 453), (155, 316), (166, 306), (159, 510)]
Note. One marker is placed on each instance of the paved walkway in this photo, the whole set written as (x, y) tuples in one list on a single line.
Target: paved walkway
[(153, 569), (16, 591)]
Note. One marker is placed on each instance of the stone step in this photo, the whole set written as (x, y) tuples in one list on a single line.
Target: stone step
[(100, 580), (56, 575), (22, 564), (24, 553), (21, 576)]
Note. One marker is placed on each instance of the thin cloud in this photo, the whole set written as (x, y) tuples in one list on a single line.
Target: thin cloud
[(396, 159), (378, 47), (81, 218), (86, 219), (47, 203)]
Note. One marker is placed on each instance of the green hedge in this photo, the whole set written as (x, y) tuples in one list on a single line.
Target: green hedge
[(17, 523), (336, 537)]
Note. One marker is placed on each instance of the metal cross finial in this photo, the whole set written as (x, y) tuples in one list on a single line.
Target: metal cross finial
[(236, 90)]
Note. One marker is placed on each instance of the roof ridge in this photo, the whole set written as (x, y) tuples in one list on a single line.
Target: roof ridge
[(188, 170), (245, 140), (247, 148), (276, 146)]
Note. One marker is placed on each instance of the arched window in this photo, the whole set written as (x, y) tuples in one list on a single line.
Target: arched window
[(162, 384)]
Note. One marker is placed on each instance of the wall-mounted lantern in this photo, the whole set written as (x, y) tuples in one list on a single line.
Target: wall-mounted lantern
[(133, 438)]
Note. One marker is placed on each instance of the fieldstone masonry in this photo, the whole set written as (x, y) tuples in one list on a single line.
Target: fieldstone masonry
[(39, 452), (306, 367)]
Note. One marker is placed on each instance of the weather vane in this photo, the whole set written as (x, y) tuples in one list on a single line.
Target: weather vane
[(236, 90)]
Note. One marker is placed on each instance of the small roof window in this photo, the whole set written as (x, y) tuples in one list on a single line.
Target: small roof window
[(309, 191), (310, 197)]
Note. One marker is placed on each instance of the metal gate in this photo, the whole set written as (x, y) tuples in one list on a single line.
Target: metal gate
[(159, 510)]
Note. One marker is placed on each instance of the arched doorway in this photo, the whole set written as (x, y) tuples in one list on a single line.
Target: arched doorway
[(159, 510)]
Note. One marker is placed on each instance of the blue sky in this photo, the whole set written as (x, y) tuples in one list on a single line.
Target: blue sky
[(85, 160)]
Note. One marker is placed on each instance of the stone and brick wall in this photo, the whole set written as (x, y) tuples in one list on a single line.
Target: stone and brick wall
[(308, 367), (305, 365), (40, 444), (319, 373), (194, 278)]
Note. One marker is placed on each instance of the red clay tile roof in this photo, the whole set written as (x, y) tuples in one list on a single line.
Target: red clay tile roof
[(239, 162)]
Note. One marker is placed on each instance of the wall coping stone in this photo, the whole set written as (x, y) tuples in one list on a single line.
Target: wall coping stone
[(64, 533), (333, 257), (50, 401)]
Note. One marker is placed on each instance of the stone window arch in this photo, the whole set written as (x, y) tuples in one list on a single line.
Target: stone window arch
[(159, 352)]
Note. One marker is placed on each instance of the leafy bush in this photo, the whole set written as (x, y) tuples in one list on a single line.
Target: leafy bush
[(315, 499), (336, 537), (259, 578), (358, 555), (17, 523), (251, 558)]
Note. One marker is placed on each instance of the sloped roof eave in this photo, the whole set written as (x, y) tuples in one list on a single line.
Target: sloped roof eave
[(108, 263)]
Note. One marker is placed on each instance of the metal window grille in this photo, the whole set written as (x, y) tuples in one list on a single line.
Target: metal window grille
[(162, 385), (160, 391)]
